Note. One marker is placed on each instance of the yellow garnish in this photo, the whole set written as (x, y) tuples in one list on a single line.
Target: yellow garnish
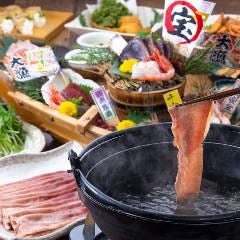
[(127, 65), (126, 124), (68, 108)]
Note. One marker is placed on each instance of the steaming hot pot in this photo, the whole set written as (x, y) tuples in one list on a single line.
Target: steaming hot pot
[(134, 161)]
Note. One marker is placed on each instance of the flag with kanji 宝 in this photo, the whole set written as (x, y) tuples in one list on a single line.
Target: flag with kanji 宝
[(184, 22)]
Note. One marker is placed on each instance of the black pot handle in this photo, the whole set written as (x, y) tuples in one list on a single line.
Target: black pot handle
[(74, 159)]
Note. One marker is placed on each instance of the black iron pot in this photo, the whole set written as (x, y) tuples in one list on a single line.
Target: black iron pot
[(140, 158)]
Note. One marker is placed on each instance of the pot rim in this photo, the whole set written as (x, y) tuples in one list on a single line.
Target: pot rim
[(111, 204)]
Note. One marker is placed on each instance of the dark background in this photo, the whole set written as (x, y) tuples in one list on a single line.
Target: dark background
[(76, 6)]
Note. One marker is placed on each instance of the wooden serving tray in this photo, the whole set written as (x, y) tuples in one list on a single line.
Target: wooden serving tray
[(63, 127), (54, 25)]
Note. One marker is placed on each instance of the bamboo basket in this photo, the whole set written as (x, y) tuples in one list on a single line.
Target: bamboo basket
[(62, 127)]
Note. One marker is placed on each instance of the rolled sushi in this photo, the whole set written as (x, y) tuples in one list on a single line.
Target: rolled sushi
[(6, 23), (24, 24), (37, 15), (13, 10)]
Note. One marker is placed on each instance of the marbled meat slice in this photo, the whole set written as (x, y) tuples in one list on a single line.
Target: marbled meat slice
[(9, 212), (43, 208), (52, 187), (36, 180), (31, 224), (51, 213), (190, 126)]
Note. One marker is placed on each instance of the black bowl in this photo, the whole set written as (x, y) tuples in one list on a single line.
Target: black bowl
[(138, 159)]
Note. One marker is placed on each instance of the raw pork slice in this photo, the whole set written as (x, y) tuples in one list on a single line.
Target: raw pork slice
[(190, 126), (40, 205)]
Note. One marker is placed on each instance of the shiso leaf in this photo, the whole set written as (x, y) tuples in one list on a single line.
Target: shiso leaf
[(115, 69), (137, 116), (6, 42), (82, 20), (158, 17)]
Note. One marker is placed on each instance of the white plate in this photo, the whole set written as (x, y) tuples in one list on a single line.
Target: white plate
[(77, 64), (95, 39), (145, 14), (58, 82), (35, 140), (22, 166)]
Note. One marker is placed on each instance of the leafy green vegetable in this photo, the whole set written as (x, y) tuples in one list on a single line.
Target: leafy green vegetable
[(158, 17), (115, 69), (6, 42), (86, 88), (109, 13), (82, 20), (29, 18), (94, 55), (142, 34), (12, 135), (198, 64), (45, 42), (77, 101), (32, 88), (137, 116), (155, 35), (41, 14), (207, 27)]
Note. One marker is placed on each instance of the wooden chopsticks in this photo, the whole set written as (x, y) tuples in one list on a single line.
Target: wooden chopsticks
[(212, 97)]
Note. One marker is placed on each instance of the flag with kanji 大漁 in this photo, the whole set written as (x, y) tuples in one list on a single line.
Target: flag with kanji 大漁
[(31, 64)]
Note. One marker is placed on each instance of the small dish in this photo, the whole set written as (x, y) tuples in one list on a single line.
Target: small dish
[(95, 39), (77, 64)]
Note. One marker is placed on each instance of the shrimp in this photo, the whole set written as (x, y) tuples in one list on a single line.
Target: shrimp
[(164, 65), (55, 97)]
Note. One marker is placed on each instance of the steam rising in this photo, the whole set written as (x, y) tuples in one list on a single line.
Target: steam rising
[(138, 168)]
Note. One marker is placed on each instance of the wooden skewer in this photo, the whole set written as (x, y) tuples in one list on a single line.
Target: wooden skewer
[(64, 78), (212, 97)]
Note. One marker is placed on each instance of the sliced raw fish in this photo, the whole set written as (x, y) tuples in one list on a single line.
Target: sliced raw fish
[(135, 49), (75, 91), (149, 43)]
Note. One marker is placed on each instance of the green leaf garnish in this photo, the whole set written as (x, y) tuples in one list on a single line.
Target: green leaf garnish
[(137, 116), (82, 20), (199, 64), (158, 17), (115, 69), (12, 135), (6, 42)]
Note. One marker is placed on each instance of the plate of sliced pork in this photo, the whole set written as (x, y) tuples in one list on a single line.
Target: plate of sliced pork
[(38, 196)]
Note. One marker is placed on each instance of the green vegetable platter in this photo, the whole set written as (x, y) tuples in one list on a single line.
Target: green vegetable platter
[(17, 136), (82, 24)]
